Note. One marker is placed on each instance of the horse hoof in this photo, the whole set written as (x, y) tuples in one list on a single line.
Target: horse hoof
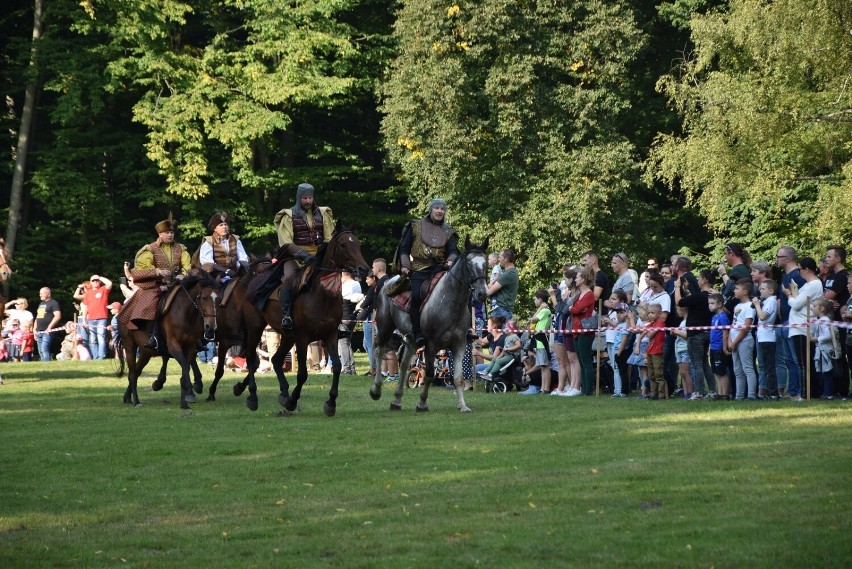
[(375, 396), (198, 387), (251, 402), (189, 397), (395, 407), (157, 385), (465, 409), (329, 410), (238, 389), (282, 399), (138, 405), (424, 409), (290, 404), (211, 397), (184, 405)]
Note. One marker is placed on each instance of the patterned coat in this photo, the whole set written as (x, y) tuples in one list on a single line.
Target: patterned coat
[(150, 259)]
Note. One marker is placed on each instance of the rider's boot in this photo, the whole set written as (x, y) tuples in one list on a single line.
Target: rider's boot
[(419, 339), (286, 308), (154, 331)]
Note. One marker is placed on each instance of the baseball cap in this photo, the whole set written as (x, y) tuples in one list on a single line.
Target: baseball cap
[(115, 306), (621, 306)]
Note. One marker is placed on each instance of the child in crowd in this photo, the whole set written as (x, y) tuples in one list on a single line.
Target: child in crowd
[(510, 346), (610, 321), (719, 336), (541, 322), (682, 354), (766, 308), (654, 357), (823, 335), (641, 342), (27, 342), (741, 342), (618, 345), (532, 374), (17, 336), (496, 269)]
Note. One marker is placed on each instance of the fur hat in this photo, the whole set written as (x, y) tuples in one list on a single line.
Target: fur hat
[(218, 217), (168, 224)]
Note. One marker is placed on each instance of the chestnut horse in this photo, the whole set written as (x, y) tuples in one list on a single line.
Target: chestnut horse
[(191, 316), (317, 313)]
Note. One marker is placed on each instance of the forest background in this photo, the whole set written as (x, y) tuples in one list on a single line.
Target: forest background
[(549, 126)]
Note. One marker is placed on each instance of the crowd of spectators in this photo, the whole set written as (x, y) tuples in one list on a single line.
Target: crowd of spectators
[(673, 333)]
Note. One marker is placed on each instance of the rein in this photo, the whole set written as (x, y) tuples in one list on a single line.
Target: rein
[(329, 252)]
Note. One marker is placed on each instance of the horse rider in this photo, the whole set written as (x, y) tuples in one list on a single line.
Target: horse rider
[(428, 244), (221, 251), (301, 230), (155, 266)]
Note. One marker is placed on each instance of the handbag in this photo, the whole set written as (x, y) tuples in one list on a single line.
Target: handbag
[(590, 323)]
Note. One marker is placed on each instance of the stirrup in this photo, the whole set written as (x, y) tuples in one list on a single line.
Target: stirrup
[(287, 323), (152, 343)]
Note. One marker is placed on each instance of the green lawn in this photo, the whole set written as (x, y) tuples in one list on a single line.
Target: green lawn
[(521, 482)]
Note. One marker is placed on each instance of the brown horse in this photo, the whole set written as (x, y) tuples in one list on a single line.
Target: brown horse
[(5, 271), (317, 313), (233, 318), (190, 316)]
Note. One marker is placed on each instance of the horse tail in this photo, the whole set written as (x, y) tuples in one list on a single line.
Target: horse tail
[(119, 351)]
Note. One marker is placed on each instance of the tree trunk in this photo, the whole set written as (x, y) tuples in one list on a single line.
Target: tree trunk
[(16, 200)]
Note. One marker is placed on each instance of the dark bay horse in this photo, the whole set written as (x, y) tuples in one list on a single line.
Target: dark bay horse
[(317, 313), (190, 316), (233, 319), (444, 321)]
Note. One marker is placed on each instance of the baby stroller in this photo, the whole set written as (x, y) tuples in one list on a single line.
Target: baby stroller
[(417, 373)]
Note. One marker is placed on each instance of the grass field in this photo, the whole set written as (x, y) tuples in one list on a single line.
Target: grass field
[(521, 482)]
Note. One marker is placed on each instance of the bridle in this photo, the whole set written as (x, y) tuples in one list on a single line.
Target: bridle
[(331, 252), (196, 303), (472, 282), (6, 272)]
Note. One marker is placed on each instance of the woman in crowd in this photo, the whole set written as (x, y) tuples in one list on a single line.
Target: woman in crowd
[(584, 308)]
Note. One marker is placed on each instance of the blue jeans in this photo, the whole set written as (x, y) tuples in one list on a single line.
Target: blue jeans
[(612, 350), (97, 338), (208, 354), (786, 365), (368, 342), (44, 342), (500, 311)]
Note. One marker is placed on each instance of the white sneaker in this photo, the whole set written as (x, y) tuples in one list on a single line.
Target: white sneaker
[(570, 392), (556, 392)]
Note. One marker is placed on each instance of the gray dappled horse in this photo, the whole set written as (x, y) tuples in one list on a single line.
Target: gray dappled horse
[(444, 321)]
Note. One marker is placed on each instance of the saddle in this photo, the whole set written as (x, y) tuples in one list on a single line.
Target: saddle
[(403, 299)]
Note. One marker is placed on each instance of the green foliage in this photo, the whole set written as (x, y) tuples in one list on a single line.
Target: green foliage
[(766, 101), (512, 113)]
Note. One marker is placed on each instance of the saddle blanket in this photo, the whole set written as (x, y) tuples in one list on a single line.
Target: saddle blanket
[(403, 299)]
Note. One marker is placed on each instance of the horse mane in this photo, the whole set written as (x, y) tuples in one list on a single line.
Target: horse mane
[(195, 277)]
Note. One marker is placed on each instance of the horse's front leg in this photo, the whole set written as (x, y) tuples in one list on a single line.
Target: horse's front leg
[(197, 385), (429, 357), (252, 363), (217, 374), (330, 406), (161, 377), (458, 373), (186, 394), (404, 366), (277, 361), (378, 379), (131, 395), (292, 401)]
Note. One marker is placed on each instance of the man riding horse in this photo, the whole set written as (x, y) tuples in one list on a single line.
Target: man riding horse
[(155, 266), (427, 245), (301, 230), (221, 251)]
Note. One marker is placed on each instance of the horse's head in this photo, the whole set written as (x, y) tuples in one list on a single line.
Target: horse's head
[(344, 252), (204, 290), (476, 267), (5, 269)]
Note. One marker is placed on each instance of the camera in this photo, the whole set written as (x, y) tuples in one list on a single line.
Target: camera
[(554, 285), (122, 280)]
